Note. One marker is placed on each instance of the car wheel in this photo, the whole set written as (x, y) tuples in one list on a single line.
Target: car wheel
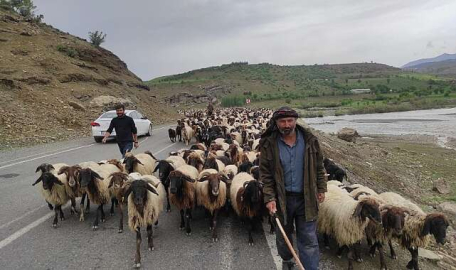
[(98, 139), (149, 132)]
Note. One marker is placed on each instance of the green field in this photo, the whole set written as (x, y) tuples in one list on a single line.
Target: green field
[(321, 86)]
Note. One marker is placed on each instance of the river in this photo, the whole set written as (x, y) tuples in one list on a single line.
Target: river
[(440, 123)]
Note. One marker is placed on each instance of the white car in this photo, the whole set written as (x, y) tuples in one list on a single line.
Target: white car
[(99, 126)]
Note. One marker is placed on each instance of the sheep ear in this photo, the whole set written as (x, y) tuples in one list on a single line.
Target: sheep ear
[(385, 214), (189, 179), (96, 175), (64, 169), (139, 162), (358, 209), (127, 193), (110, 183), (426, 227), (204, 178), (151, 189), (56, 180), (38, 180)]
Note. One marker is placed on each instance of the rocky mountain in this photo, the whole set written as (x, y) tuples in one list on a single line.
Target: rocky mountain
[(53, 84), (445, 68), (440, 58)]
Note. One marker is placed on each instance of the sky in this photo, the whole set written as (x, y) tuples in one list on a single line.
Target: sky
[(157, 38)]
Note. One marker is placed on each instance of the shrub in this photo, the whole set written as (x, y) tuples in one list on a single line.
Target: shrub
[(71, 52), (234, 101), (288, 101), (96, 38)]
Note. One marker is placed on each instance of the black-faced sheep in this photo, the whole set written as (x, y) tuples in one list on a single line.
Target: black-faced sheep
[(346, 219), (182, 192), (144, 207), (211, 193), (247, 200), (418, 227), (141, 163), (172, 135), (52, 188)]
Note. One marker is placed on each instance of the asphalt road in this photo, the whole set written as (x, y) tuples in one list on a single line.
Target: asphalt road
[(27, 240)]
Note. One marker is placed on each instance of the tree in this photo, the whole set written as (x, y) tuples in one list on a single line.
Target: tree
[(22, 7), (388, 80), (96, 38)]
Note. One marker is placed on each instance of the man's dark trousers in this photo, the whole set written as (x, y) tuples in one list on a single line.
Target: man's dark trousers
[(125, 147), (306, 234)]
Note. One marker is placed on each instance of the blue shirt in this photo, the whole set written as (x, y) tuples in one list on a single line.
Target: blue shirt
[(292, 160)]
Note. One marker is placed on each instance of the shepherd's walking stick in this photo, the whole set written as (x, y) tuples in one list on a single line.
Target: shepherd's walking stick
[(290, 247)]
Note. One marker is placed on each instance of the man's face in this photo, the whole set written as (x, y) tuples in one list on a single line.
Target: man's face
[(120, 112), (286, 125)]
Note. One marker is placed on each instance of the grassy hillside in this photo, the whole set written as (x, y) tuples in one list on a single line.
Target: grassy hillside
[(307, 87), (49, 80), (445, 68)]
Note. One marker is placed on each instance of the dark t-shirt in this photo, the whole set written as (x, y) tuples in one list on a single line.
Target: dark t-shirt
[(124, 127)]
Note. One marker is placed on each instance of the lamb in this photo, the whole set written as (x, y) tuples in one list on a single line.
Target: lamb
[(52, 187), (144, 207), (247, 200), (418, 227), (117, 181), (141, 163), (346, 219), (179, 133), (211, 193), (172, 135), (194, 159), (97, 190), (182, 192), (335, 172)]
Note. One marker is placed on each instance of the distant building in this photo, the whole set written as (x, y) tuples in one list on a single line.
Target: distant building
[(360, 91)]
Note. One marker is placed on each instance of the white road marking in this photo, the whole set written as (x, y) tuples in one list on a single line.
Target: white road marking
[(37, 222), (56, 153), (21, 217), (271, 239), (49, 155), (24, 230)]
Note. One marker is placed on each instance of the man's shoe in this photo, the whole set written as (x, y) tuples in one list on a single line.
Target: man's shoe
[(288, 265)]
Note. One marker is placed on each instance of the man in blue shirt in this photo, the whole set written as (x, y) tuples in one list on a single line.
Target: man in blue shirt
[(291, 169)]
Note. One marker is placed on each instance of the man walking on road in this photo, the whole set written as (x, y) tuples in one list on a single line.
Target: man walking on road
[(126, 133), (291, 168)]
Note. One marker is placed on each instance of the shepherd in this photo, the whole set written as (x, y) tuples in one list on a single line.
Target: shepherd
[(291, 168)]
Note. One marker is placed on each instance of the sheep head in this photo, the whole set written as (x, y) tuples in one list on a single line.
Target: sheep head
[(87, 176), (45, 167), (393, 218), (436, 224), (253, 192), (72, 174), (130, 162), (48, 179), (368, 208), (176, 181), (138, 189), (117, 179)]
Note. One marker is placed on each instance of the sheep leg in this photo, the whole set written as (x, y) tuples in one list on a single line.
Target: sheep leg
[(188, 216), (56, 217), (182, 224), (103, 217), (150, 237), (340, 251), (88, 205), (350, 258), (113, 202), (326, 240), (62, 216), (413, 263), (138, 247), (168, 205), (97, 217), (250, 229), (73, 207), (382, 256), (393, 253), (373, 248), (120, 219), (357, 251), (214, 226), (50, 206)]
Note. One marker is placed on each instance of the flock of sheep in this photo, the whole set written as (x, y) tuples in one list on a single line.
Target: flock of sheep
[(220, 172)]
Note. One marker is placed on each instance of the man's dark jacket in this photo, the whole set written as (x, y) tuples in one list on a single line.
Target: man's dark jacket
[(271, 173)]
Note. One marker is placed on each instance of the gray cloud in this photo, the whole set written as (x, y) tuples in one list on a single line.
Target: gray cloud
[(157, 38)]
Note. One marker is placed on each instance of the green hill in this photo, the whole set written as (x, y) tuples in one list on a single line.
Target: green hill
[(307, 86)]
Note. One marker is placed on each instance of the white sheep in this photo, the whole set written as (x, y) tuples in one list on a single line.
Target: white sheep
[(187, 133), (143, 163), (145, 203), (345, 218), (211, 193)]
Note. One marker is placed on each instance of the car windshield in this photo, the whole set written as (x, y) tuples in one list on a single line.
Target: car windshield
[(108, 115)]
